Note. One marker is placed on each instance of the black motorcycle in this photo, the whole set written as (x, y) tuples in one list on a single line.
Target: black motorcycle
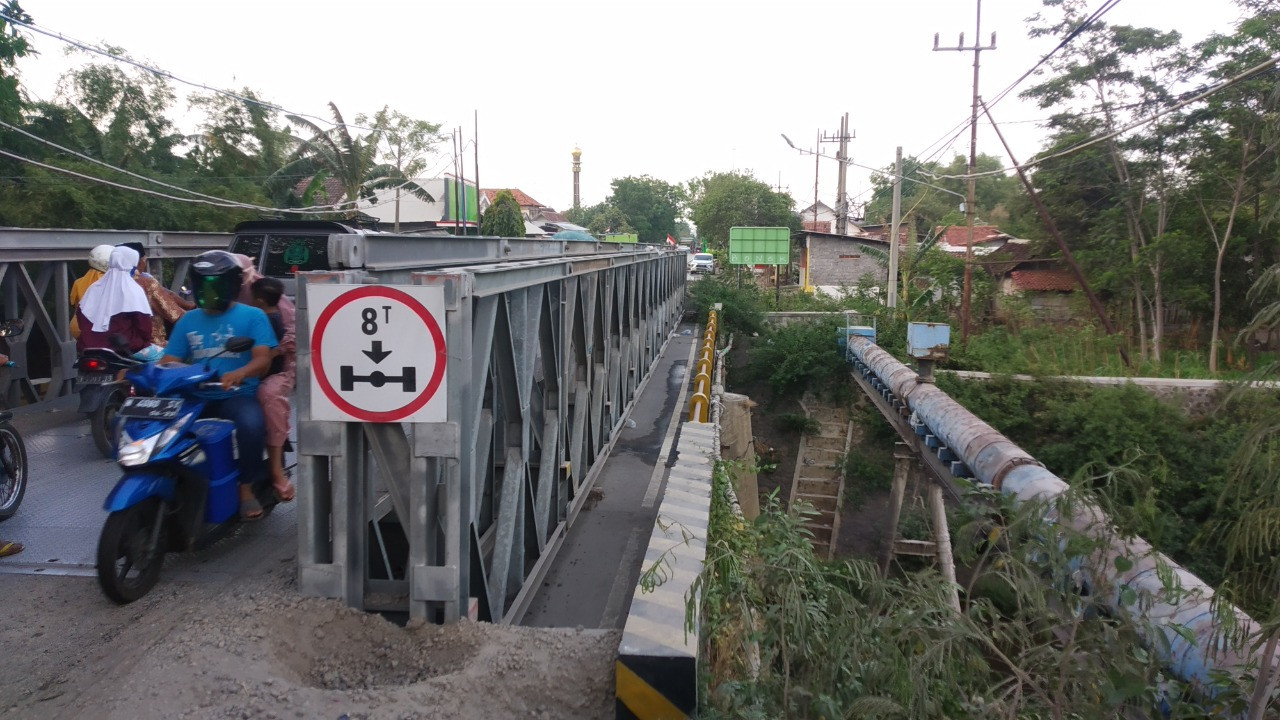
[(102, 394), (13, 453)]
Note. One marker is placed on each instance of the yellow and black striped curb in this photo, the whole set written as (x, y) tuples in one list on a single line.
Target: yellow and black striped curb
[(657, 667)]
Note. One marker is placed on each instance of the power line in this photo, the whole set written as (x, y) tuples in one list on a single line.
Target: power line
[(168, 75), (217, 202), (963, 125), (1126, 128)]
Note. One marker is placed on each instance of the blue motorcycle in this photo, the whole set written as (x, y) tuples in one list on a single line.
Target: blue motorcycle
[(180, 489)]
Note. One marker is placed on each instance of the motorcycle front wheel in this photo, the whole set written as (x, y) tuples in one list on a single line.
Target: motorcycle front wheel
[(131, 551), (13, 471)]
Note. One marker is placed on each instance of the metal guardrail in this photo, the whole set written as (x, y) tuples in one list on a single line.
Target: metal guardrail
[(462, 517), (37, 268)]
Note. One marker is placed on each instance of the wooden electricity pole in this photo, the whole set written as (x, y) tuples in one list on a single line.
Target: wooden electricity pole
[(970, 210)]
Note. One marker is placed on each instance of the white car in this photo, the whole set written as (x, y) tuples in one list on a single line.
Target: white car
[(702, 263)]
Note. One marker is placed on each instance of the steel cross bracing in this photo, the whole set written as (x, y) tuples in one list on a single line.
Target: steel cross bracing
[(462, 517), (37, 268)]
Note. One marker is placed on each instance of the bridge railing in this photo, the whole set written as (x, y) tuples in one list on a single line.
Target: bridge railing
[(462, 517), (37, 268)]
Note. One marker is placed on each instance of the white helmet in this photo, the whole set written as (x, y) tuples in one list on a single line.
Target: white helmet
[(100, 257)]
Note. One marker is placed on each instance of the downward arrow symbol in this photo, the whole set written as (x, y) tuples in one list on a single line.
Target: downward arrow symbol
[(377, 354)]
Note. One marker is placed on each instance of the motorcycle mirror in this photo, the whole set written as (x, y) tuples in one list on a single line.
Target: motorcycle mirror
[(9, 328), (239, 344)]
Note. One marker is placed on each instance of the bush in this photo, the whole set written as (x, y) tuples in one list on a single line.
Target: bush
[(798, 357), (798, 424), (742, 307)]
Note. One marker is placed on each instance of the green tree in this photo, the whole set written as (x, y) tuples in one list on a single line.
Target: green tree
[(406, 145), (650, 206), (13, 45), (353, 160), (503, 218), (1111, 75), (720, 201)]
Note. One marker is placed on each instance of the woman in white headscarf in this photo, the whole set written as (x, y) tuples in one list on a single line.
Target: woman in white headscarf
[(117, 305)]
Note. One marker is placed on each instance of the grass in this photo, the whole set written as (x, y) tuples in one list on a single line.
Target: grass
[(1084, 351)]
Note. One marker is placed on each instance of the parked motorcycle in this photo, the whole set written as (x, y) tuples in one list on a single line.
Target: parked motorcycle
[(102, 395), (13, 452), (180, 489)]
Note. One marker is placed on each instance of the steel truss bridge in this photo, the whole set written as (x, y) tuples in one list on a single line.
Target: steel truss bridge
[(549, 343), (462, 517), (37, 268)]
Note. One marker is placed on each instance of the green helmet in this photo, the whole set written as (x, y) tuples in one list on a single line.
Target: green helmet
[(216, 278)]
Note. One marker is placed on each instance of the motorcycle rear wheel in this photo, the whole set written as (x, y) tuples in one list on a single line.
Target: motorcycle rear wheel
[(131, 551), (103, 425), (13, 471)]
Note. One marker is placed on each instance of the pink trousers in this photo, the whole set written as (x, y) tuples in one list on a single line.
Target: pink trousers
[(273, 393)]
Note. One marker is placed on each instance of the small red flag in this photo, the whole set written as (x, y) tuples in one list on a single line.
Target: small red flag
[(671, 241)]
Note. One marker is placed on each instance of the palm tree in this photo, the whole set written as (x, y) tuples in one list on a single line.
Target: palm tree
[(911, 297), (353, 161)]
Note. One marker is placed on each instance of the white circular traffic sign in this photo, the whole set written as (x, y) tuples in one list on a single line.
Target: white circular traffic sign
[(377, 353)]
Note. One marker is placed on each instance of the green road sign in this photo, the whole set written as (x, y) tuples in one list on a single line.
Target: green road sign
[(759, 246)]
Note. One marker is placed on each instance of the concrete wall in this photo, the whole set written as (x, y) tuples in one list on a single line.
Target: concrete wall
[(1195, 397), (834, 261)]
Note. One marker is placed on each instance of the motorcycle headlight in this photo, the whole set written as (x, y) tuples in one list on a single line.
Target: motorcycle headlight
[(136, 452)]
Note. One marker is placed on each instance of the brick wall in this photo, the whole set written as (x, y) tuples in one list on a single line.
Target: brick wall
[(835, 261)]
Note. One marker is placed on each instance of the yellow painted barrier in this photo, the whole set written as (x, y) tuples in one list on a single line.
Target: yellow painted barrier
[(702, 384), (699, 408), (703, 368)]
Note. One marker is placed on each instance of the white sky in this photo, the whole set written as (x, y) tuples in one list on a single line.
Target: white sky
[(668, 89)]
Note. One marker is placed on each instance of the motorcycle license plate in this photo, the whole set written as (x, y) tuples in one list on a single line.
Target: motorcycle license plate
[(95, 379), (151, 408)]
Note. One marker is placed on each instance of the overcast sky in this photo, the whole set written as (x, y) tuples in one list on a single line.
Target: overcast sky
[(660, 88)]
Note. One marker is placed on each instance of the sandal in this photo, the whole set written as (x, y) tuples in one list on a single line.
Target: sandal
[(250, 509), (8, 548)]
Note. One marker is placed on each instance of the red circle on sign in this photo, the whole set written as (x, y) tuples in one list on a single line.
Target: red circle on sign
[(437, 337)]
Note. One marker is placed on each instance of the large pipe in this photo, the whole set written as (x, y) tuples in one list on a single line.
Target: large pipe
[(1178, 610)]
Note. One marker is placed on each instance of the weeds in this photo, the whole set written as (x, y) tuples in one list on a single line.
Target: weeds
[(787, 635), (798, 424)]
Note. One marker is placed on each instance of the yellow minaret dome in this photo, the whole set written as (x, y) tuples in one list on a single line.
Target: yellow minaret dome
[(577, 153)]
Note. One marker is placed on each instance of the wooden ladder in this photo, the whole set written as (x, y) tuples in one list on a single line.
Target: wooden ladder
[(819, 476)]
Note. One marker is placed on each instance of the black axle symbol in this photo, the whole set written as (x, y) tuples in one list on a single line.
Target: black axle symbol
[(347, 378)]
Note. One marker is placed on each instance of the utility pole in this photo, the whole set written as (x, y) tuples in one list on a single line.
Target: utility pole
[(893, 229), (816, 157), (969, 206), (842, 159), (477, 155)]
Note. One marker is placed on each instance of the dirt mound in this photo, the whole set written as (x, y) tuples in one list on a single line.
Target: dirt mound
[(337, 648)]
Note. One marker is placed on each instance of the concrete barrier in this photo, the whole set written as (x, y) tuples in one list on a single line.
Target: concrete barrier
[(657, 665)]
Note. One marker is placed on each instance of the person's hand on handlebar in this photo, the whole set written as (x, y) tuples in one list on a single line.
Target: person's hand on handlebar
[(233, 379)]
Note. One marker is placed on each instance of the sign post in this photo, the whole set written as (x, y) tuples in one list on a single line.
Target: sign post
[(377, 353)]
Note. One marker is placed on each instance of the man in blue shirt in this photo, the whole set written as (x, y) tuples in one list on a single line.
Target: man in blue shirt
[(201, 334)]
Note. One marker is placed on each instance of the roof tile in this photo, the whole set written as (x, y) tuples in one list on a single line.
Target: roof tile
[(522, 198), (1053, 280)]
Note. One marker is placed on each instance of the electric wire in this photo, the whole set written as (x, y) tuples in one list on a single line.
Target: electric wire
[(215, 201), (160, 72), (1125, 128)]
